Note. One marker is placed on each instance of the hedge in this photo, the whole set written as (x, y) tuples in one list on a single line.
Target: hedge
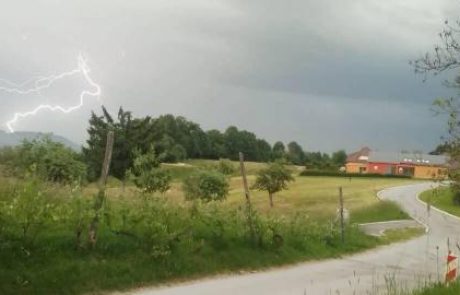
[(342, 174)]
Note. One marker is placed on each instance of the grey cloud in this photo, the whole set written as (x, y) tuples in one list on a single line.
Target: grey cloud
[(292, 70)]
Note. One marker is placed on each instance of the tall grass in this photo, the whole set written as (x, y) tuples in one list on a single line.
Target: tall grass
[(145, 240), (381, 211), (439, 289)]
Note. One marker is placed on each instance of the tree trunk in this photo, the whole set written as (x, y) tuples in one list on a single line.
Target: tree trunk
[(270, 195)]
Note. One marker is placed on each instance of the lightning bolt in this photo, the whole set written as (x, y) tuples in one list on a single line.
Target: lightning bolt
[(41, 83)]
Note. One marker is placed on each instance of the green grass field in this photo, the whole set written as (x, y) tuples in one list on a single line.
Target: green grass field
[(441, 198), (178, 240)]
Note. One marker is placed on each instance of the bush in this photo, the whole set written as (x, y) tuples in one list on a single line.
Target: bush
[(226, 167), (206, 185), (28, 211), (147, 173), (342, 174), (51, 161)]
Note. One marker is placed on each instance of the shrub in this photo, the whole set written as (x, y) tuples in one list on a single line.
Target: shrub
[(206, 185), (28, 211), (342, 174), (147, 174), (226, 167), (51, 161)]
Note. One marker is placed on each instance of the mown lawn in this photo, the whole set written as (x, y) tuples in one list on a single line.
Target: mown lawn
[(441, 198)]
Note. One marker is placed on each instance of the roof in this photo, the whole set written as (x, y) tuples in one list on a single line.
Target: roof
[(360, 156), (408, 158), (366, 155)]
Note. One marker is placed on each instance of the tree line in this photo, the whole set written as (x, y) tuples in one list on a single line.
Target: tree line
[(174, 138)]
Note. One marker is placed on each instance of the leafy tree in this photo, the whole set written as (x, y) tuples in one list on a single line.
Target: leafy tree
[(339, 158), (129, 135), (216, 144), (52, 161), (206, 185), (278, 151), (264, 151), (147, 174), (295, 153), (446, 56), (273, 179), (441, 149)]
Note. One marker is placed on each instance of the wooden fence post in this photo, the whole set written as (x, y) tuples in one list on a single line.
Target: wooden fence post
[(92, 233), (342, 222), (248, 199)]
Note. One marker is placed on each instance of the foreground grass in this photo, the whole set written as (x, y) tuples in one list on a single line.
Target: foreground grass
[(440, 289), (441, 198), (215, 240), (53, 267), (377, 212)]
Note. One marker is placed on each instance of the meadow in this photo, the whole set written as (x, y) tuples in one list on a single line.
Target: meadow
[(149, 239)]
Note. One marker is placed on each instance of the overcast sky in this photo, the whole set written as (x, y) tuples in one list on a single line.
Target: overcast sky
[(329, 74)]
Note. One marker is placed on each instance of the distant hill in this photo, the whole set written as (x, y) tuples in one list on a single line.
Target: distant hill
[(12, 139)]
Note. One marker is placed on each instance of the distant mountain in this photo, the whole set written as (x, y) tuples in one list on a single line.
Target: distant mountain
[(12, 139)]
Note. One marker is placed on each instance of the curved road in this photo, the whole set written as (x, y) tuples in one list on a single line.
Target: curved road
[(405, 264)]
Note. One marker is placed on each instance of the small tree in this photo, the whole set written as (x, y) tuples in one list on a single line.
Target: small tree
[(147, 174), (51, 161), (206, 185), (273, 179), (225, 167)]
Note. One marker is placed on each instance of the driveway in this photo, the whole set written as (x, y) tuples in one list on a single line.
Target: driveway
[(401, 265)]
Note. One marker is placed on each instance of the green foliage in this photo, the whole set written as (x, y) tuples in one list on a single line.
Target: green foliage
[(439, 289), (145, 240), (147, 174), (273, 179), (226, 167), (130, 134), (443, 198), (279, 151), (28, 211), (254, 149), (295, 153), (339, 158), (319, 161), (206, 185), (49, 160), (77, 213)]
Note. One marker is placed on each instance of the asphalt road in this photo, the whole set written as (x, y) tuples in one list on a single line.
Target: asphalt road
[(402, 265)]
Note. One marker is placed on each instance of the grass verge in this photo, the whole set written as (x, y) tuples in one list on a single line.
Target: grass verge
[(380, 211), (441, 198), (439, 289)]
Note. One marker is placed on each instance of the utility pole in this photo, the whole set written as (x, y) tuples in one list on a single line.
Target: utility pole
[(342, 223), (248, 199), (100, 198)]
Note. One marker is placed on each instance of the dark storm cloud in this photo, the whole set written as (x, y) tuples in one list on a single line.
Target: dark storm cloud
[(328, 74)]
